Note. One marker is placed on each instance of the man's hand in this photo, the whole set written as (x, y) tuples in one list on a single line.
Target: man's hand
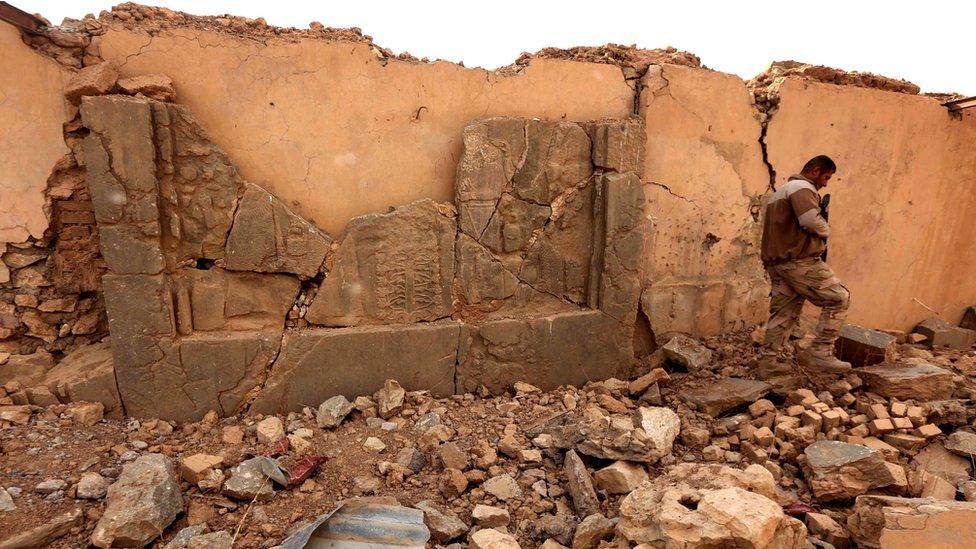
[(824, 212)]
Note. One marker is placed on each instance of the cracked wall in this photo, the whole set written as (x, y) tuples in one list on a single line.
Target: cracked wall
[(363, 132), (219, 322), (704, 178)]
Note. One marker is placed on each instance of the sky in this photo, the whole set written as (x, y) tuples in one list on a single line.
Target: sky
[(928, 43)]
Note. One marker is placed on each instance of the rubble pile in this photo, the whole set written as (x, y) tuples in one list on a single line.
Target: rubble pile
[(617, 463)]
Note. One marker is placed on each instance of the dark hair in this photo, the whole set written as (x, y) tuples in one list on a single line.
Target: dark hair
[(823, 162)]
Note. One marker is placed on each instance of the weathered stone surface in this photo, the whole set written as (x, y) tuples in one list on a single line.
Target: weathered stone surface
[(562, 349), (620, 477), (267, 237), (591, 531), (87, 374), (906, 381), (645, 436), (201, 372), (226, 300), (18, 414), (251, 480), (883, 521), (493, 149), (86, 413), (503, 487), (198, 187), (488, 516), (863, 346), (46, 533), (837, 470), (390, 268), (513, 223), (194, 468), (827, 529), (962, 443), (716, 506), (725, 394), (443, 524), (623, 208), (560, 260), (557, 158), (153, 86), (333, 411), (92, 80), (481, 276), (316, 364), (618, 145), (579, 484), (27, 370), (120, 159), (687, 353), (489, 538), (937, 460), (92, 486), (940, 333), (389, 399), (140, 504)]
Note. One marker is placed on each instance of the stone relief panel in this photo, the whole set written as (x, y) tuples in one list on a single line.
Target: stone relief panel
[(219, 297)]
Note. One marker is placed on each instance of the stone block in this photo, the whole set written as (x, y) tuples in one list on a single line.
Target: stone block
[(267, 237), (557, 159), (120, 159), (481, 277), (561, 349), (940, 333), (884, 521), (623, 245), (618, 145), (724, 395), (906, 381), (863, 346), (839, 471), (317, 364), (389, 269), (87, 374), (227, 300)]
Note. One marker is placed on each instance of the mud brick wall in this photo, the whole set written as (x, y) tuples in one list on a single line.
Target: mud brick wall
[(330, 144)]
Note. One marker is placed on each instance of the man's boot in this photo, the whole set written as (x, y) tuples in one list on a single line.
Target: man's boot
[(771, 364), (822, 362)]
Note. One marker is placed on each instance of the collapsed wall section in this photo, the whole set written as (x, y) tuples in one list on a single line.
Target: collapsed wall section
[(199, 314)]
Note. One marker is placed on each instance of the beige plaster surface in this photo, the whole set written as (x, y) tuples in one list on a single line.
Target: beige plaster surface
[(32, 111), (703, 173), (903, 200), (336, 132)]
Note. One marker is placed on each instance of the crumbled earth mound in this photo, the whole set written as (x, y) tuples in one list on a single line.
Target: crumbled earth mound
[(633, 60), (783, 69), (574, 467)]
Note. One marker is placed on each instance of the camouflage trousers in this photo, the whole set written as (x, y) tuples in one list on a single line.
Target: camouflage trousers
[(795, 282)]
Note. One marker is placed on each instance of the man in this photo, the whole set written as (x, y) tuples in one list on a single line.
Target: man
[(793, 241)]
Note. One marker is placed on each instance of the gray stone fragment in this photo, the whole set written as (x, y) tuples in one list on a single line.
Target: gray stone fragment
[(443, 524), (580, 485), (838, 471), (140, 504), (726, 394), (333, 411), (687, 353), (962, 443), (252, 480)]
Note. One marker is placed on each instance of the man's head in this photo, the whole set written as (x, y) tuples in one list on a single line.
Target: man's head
[(819, 169)]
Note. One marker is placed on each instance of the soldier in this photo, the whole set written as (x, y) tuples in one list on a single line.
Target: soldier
[(794, 239)]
